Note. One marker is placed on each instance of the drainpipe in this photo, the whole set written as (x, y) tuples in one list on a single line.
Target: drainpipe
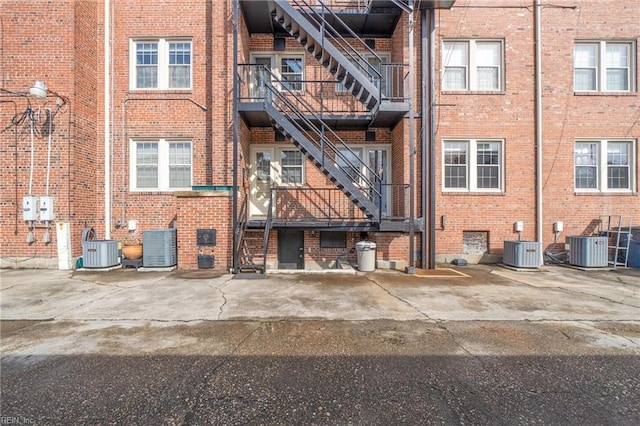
[(428, 139), (234, 198), (412, 149), (538, 114), (107, 120)]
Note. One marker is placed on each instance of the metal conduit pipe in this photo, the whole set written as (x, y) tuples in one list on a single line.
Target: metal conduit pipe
[(538, 115)]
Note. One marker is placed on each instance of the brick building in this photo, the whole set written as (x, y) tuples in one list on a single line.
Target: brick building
[(437, 135)]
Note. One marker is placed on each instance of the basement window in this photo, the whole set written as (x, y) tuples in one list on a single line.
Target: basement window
[(333, 239)]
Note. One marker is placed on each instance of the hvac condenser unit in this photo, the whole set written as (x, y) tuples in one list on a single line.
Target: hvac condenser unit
[(159, 248), (100, 253), (522, 254), (589, 252)]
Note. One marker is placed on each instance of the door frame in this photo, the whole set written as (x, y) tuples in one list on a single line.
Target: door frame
[(257, 208), (286, 243)]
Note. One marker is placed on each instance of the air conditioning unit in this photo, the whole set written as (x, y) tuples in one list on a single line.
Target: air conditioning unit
[(589, 252), (522, 254), (100, 253), (159, 248)]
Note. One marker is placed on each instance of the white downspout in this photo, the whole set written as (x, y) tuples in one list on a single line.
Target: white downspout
[(538, 114), (107, 120)]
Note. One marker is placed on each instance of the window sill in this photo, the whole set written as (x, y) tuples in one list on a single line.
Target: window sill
[(473, 92), (620, 94), (134, 91), (605, 193), (473, 193), (198, 194)]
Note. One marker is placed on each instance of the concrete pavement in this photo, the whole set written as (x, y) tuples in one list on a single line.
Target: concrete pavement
[(48, 312), (474, 345), (468, 293)]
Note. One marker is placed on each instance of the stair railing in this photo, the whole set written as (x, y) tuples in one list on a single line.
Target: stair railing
[(267, 230), (303, 118), (241, 226), (368, 63)]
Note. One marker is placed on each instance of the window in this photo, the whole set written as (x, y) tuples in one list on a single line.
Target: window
[(473, 165), (333, 239), (161, 64), (291, 73), (350, 162), (160, 165), (601, 66), (603, 165), (472, 65), (291, 163)]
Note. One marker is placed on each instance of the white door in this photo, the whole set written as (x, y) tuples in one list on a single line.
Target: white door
[(259, 76), (378, 163), (262, 174)]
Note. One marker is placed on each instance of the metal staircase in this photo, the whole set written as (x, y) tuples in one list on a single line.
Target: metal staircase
[(358, 69), (326, 150), (359, 73), (252, 245)]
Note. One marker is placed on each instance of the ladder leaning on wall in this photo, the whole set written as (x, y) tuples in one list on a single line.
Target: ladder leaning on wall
[(618, 231)]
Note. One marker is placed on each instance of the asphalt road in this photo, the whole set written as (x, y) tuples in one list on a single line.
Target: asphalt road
[(377, 372)]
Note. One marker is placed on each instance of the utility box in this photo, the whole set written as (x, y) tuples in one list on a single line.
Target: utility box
[(100, 253), (46, 209), (589, 252), (30, 208), (522, 254)]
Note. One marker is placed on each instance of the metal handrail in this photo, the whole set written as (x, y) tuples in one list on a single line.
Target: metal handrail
[(295, 203), (310, 126), (241, 226), (267, 231), (358, 59), (328, 92)]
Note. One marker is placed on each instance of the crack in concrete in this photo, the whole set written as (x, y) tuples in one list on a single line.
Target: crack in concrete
[(221, 308), (218, 287), (205, 382), (406, 302)]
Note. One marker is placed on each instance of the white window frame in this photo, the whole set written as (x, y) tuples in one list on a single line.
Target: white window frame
[(601, 67), (602, 167), (276, 61), (277, 164), (472, 165), (473, 63), (163, 164), (162, 65)]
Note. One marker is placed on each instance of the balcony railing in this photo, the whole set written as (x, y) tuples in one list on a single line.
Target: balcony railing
[(347, 6), (325, 96), (330, 205)]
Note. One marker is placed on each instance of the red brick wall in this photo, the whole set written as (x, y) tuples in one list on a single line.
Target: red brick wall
[(165, 114), (568, 116), (203, 211), (54, 42)]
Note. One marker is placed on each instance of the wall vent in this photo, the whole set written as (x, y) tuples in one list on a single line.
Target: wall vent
[(159, 248), (522, 254), (589, 252)]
